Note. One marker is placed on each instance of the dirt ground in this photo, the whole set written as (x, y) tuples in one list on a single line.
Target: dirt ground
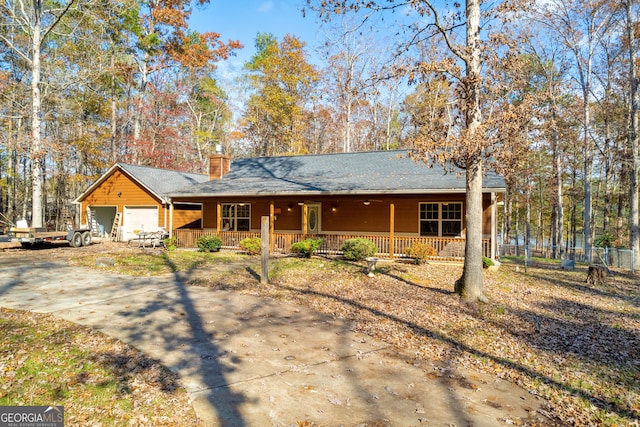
[(62, 250)]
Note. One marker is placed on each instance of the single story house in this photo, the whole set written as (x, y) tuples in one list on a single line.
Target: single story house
[(382, 195), (135, 199)]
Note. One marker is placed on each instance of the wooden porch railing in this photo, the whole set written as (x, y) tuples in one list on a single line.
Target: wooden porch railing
[(446, 247)]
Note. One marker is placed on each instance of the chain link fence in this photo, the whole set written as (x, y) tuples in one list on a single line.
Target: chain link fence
[(619, 258)]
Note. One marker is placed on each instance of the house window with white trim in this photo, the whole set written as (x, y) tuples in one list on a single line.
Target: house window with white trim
[(442, 219), (236, 217)]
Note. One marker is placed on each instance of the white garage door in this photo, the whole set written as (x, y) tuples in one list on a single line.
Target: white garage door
[(139, 218)]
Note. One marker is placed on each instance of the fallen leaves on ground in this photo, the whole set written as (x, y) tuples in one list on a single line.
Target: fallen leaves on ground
[(573, 344), (99, 380), (576, 345)]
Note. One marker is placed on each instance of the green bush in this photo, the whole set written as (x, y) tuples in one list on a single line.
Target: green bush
[(306, 247), (486, 262), (358, 249), (209, 243), (251, 245), (171, 243), (605, 241), (421, 251)]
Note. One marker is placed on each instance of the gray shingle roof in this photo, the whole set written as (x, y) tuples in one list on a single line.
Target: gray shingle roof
[(163, 181), (373, 172)]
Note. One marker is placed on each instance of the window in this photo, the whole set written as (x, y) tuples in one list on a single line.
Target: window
[(236, 217), (441, 219)]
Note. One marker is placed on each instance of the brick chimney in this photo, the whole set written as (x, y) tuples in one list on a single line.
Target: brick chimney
[(219, 164)]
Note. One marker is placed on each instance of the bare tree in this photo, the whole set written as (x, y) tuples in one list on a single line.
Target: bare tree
[(580, 24), (349, 63), (37, 19), (631, 7)]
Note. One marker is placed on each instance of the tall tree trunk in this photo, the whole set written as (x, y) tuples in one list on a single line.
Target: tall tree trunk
[(36, 153), (471, 284), (634, 240), (508, 211), (527, 222), (12, 173), (588, 171), (541, 198), (113, 157), (389, 118), (517, 229), (26, 173), (623, 195), (347, 128), (559, 205), (137, 113)]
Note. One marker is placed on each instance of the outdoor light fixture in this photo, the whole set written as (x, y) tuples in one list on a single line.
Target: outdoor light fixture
[(367, 203), (334, 208), (119, 193), (300, 203), (289, 208)]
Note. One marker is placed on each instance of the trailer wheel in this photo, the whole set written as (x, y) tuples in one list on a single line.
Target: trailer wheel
[(76, 240), (86, 238)]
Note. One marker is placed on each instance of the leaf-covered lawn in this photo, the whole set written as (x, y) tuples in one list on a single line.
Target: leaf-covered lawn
[(577, 346), (139, 262), (99, 380)]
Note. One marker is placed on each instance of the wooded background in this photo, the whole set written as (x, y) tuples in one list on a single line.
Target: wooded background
[(86, 83)]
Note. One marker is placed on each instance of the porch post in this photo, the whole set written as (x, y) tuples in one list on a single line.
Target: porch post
[(272, 226), (494, 231), (264, 255), (165, 208), (218, 218), (392, 226), (170, 218), (304, 221)]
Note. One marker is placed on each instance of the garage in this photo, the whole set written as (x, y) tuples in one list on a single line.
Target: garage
[(137, 219), (104, 216), (137, 196)]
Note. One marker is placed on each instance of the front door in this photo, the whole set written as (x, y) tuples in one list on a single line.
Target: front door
[(313, 219)]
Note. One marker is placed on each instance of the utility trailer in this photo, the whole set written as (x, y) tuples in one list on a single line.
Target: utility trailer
[(33, 236)]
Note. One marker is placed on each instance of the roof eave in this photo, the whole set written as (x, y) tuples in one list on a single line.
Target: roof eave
[(108, 173), (333, 193), (98, 182)]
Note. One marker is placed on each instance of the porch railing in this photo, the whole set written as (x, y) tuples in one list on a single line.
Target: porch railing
[(447, 248)]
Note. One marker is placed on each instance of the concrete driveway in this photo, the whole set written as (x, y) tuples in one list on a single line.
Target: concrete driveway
[(248, 361)]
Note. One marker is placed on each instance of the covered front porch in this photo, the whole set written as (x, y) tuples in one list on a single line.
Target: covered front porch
[(449, 249)]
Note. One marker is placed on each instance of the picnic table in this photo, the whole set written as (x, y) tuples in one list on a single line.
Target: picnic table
[(146, 238)]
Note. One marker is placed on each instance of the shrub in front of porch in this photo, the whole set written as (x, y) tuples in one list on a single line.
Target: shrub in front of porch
[(420, 252), (209, 243), (306, 247), (487, 262), (171, 243), (358, 249), (251, 245)]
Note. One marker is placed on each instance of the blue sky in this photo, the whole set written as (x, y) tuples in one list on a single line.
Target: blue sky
[(242, 20)]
